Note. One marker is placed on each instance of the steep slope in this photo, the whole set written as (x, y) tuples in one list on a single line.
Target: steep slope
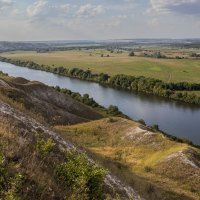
[(32, 168), (42, 100), (159, 168), (35, 161)]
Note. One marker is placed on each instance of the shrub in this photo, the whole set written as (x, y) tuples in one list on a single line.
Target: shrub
[(15, 186), (147, 169), (78, 172), (141, 121), (111, 120), (155, 127), (150, 189), (3, 74), (113, 110), (132, 54), (10, 185), (3, 173), (44, 147)]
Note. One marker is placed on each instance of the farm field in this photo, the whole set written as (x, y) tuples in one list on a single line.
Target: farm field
[(168, 70)]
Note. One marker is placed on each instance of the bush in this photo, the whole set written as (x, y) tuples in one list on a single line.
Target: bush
[(44, 147), (111, 120), (131, 54), (3, 173), (155, 127), (147, 169), (77, 96), (15, 186), (78, 172), (113, 110), (3, 74), (10, 184), (141, 121), (150, 189)]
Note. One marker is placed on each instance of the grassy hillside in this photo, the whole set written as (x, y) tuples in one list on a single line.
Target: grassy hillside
[(123, 160), (35, 162), (168, 70), (156, 166), (36, 165), (46, 102)]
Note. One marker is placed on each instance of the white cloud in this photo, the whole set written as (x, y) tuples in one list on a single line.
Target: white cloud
[(37, 8), (47, 13), (117, 21), (67, 19), (4, 4), (191, 7), (65, 7), (153, 22), (89, 10)]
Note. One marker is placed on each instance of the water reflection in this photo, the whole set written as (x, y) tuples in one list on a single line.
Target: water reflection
[(179, 119)]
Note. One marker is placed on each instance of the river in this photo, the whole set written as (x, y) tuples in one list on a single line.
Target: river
[(178, 119)]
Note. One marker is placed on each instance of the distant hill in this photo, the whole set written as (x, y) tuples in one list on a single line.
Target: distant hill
[(54, 107), (45, 46), (54, 147)]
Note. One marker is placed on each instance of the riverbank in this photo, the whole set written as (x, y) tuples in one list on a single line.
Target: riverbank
[(115, 112), (145, 159), (176, 91), (142, 161), (35, 161), (178, 119), (111, 111), (118, 62)]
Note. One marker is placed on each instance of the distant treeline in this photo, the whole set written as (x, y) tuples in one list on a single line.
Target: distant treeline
[(3, 74), (81, 98), (50, 49), (195, 55), (42, 47), (176, 91), (111, 110), (114, 111)]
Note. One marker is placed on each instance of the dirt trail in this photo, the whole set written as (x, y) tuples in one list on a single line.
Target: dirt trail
[(170, 77), (112, 181)]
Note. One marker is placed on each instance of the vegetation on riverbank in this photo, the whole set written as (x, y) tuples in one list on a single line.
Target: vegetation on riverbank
[(35, 162), (119, 62), (176, 91), (35, 167), (106, 112), (3, 74), (141, 157), (157, 167)]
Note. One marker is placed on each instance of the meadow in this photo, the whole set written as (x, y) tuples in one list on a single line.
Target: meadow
[(168, 70), (141, 157), (155, 165)]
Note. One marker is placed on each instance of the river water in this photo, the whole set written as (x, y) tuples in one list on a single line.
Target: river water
[(178, 119)]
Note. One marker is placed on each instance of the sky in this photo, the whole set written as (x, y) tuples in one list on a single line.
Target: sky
[(35, 20)]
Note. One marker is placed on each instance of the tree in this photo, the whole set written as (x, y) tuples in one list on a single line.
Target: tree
[(131, 53), (113, 110)]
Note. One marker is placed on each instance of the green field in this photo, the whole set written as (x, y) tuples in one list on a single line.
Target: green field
[(168, 70)]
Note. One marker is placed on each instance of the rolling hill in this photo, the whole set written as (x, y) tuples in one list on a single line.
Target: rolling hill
[(54, 147)]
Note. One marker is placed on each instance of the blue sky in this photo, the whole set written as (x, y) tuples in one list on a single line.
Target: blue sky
[(98, 19)]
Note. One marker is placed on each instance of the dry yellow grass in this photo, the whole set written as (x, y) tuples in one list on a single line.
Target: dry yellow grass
[(143, 153)]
